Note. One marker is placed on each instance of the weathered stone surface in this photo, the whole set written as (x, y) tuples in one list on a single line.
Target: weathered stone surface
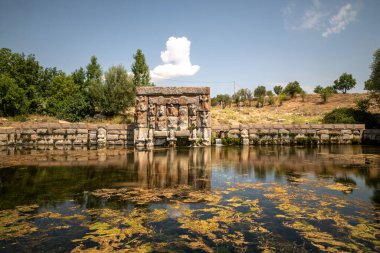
[(42, 131), (170, 91), (182, 133), (112, 137), (3, 137), (82, 131)]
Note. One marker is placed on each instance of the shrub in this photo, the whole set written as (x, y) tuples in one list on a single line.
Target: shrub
[(292, 89), (281, 98), (259, 91), (363, 104), (351, 116), (277, 89), (318, 89)]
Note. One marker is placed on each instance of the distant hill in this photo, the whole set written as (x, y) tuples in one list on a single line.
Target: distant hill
[(291, 111)]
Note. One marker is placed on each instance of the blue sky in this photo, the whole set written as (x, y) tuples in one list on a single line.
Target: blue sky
[(250, 42)]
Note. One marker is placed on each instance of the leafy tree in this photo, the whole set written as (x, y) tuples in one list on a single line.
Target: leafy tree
[(318, 89), (373, 84), (260, 102), (269, 93), (140, 70), (26, 72), (221, 98), (94, 71), (13, 100), (259, 91), (292, 89), (325, 93), (344, 83), (116, 93), (243, 95), (277, 89), (79, 77)]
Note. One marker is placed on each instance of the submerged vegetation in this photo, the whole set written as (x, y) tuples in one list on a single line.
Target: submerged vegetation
[(236, 218)]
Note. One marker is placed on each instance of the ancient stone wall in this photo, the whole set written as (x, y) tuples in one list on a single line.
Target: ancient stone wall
[(165, 114), (66, 134), (258, 134), (371, 136)]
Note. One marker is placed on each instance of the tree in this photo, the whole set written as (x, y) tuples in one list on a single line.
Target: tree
[(292, 89), (325, 93), (259, 91), (140, 70), (344, 83), (79, 77), (13, 100), (277, 89), (363, 104), (116, 93), (94, 71), (269, 93), (373, 84), (318, 89)]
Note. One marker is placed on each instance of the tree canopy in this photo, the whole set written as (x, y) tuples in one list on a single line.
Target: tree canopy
[(344, 83), (140, 70), (259, 91), (293, 88)]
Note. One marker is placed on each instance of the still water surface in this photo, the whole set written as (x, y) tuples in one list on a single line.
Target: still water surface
[(223, 199)]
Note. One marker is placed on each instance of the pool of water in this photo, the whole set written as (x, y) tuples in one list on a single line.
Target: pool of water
[(214, 199)]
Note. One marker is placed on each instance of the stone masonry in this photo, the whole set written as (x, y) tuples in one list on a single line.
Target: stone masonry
[(164, 114)]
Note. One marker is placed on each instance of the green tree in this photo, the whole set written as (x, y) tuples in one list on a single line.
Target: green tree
[(26, 72), (259, 91), (116, 93), (373, 84), (94, 71), (292, 89), (13, 100), (79, 77), (325, 93), (269, 93), (277, 89), (140, 70), (344, 83), (363, 104), (318, 89)]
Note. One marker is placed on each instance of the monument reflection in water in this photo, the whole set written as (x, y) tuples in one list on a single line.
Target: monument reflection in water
[(172, 167)]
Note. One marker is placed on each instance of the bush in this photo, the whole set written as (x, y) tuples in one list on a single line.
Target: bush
[(351, 116), (13, 100), (281, 98), (292, 89), (277, 89), (318, 89), (259, 91), (363, 104)]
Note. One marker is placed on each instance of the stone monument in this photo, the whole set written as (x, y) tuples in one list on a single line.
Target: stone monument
[(164, 114)]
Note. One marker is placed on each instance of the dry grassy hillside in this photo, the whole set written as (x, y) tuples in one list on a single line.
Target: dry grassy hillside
[(311, 110), (291, 111)]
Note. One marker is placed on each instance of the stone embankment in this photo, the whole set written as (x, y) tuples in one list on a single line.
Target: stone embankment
[(123, 135), (67, 134), (253, 134)]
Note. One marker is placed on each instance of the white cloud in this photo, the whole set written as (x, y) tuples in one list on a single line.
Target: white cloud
[(341, 20), (176, 59), (318, 16)]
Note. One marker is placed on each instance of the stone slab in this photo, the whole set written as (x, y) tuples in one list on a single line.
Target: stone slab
[(172, 91)]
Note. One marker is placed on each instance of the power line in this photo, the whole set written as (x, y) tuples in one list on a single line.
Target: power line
[(186, 81)]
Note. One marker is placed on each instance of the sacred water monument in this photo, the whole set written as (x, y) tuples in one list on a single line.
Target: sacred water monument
[(163, 115)]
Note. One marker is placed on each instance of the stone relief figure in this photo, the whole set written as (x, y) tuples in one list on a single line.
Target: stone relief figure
[(171, 134), (152, 115), (192, 110), (203, 100), (204, 119), (141, 106), (101, 136), (172, 110), (161, 117), (182, 119), (140, 117), (244, 133), (172, 122)]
